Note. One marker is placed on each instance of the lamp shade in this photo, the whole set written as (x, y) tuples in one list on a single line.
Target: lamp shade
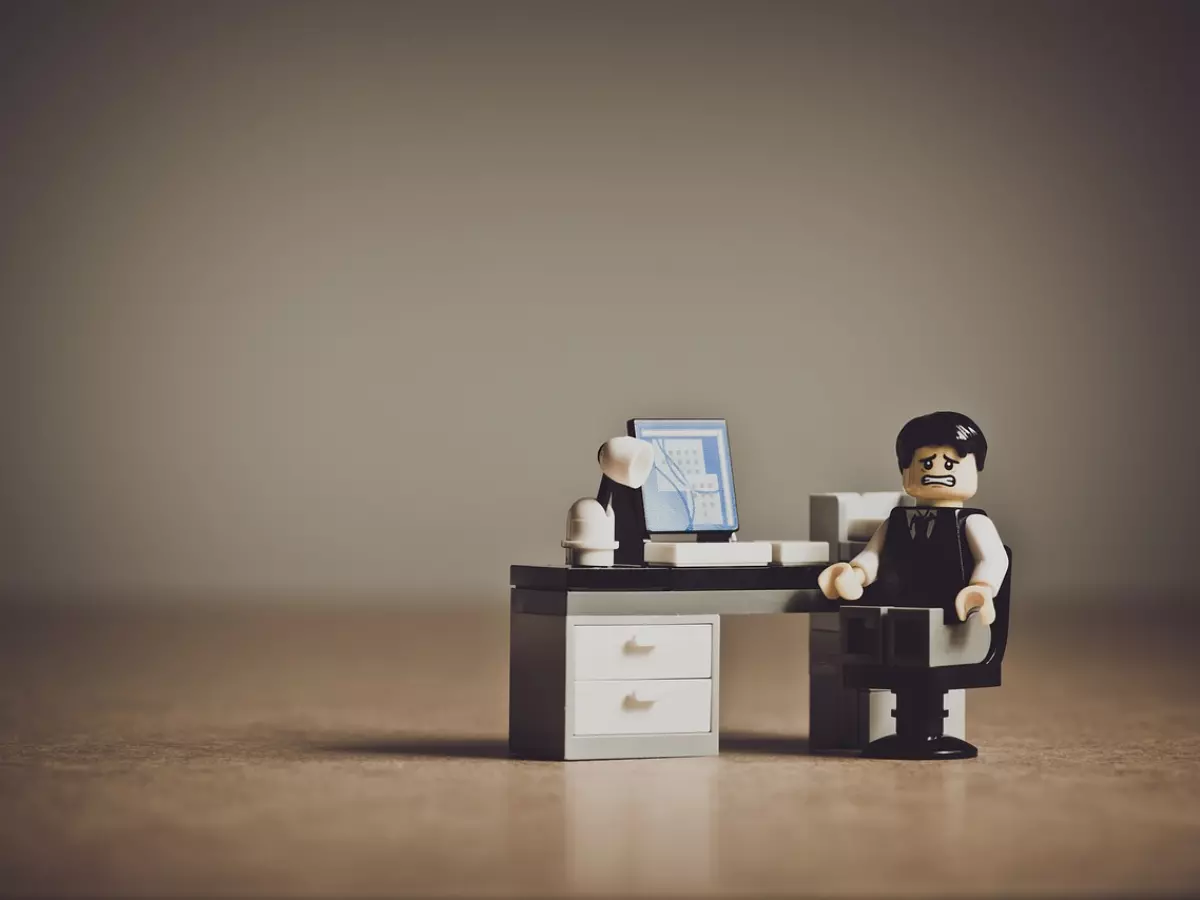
[(626, 460)]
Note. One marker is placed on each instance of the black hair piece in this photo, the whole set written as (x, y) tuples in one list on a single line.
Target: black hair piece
[(941, 429)]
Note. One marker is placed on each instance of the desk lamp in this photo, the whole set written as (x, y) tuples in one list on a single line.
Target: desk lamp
[(591, 524)]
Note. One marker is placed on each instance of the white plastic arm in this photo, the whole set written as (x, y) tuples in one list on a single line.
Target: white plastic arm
[(991, 562), (868, 560)]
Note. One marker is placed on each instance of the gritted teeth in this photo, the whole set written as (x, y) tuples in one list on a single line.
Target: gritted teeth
[(944, 480)]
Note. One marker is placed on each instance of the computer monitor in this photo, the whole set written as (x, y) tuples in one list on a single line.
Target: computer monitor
[(690, 489)]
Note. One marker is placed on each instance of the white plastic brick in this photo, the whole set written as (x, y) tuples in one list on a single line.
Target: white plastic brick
[(799, 553), (689, 553)]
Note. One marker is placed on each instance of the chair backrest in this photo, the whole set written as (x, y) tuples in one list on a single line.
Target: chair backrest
[(838, 518)]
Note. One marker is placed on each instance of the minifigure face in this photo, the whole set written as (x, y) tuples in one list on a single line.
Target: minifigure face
[(938, 476)]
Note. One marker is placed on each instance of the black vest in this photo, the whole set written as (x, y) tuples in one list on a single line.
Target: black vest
[(922, 565)]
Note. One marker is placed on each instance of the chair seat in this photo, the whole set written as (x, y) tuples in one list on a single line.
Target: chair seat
[(941, 678)]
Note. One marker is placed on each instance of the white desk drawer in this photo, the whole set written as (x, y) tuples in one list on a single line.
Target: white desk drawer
[(643, 707), (642, 651)]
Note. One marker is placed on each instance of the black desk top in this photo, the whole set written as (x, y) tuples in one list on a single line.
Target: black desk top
[(665, 578)]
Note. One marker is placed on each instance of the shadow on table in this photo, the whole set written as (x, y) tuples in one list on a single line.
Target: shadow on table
[(411, 745), (751, 743), (758, 744)]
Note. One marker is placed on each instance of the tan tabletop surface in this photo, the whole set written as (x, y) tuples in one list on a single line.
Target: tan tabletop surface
[(359, 750)]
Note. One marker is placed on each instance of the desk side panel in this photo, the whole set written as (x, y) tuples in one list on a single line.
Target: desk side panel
[(537, 685), (525, 601)]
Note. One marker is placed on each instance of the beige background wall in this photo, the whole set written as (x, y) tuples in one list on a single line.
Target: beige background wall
[(339, 300)]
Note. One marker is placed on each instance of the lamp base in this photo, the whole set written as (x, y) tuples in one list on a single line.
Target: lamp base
[(590, 558)]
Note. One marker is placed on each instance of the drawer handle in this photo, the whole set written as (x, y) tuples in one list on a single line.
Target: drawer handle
[(631, 701), (632, 646)]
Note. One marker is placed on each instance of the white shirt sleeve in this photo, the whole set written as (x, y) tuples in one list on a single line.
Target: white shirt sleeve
[(991, 561), (868, 560)]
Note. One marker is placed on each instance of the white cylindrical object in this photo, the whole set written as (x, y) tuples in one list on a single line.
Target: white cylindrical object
[(591, 534)]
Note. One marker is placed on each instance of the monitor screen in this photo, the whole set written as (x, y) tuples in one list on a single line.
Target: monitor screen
[(691, 486)]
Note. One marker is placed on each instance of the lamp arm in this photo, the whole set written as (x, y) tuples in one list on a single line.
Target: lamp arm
[(604, 492)]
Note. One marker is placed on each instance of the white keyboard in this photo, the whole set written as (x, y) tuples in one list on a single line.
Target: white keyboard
[(736, 553)]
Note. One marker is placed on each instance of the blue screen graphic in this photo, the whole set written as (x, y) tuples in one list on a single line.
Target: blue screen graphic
[(691, 486)]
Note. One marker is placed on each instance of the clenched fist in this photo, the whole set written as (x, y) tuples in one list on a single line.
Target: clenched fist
[(971, 598), (842, 580)]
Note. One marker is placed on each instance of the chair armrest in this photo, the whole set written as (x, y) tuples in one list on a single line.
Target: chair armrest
[(1000, 627)]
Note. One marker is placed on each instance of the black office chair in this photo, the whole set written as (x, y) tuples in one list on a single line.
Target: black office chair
[(920, 692)]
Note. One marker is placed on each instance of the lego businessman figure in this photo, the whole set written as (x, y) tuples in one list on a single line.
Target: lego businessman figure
[(938, 553)]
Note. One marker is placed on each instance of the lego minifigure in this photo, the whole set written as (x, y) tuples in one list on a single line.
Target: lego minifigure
[(938, 553)]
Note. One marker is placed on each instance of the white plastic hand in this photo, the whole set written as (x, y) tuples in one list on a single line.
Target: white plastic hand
[(975, 596), (841, 580)]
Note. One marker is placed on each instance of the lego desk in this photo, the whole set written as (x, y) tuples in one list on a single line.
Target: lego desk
[(624, 662)]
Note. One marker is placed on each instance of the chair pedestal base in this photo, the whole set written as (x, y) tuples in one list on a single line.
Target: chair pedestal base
[(940, 746), (920, 716)]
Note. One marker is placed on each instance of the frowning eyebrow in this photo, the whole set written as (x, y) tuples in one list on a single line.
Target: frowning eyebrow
[(932, 456), (949, 457)]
